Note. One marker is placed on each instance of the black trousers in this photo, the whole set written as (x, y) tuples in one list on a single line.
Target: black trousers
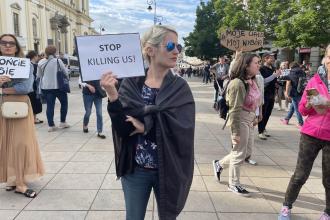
[(267, 109), (309, 147)]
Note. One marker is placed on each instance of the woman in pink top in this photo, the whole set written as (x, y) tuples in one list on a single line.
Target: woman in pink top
[(315, 136)]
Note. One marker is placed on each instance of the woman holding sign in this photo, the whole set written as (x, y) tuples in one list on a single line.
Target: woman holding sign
[(153, 121), (20, 160)]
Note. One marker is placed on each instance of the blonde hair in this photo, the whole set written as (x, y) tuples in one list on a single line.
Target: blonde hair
[(154, 37), (327, 49)]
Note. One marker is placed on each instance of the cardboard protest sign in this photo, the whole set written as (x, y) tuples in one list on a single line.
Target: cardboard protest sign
[(242, 40), (120, 53), (15, 67)]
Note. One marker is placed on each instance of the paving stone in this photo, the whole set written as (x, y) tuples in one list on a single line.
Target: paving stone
[(199, 201), (11, 200), (223, 202), (52, 215), (8, 214), (111, 182), (108, 215), (247, 216), (112, 200), (86, 167), (76, 181), (93, 156), (63, 200), (53, 167)]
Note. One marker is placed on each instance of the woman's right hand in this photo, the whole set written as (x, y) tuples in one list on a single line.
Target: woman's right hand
[(108, 82), (235, 139), (4, 79), (91, 88)]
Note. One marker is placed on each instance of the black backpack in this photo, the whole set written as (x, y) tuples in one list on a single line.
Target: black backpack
[(221, 105), (302, 82)]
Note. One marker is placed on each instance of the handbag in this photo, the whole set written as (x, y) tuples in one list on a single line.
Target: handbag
[(62, 79), (14, 110)]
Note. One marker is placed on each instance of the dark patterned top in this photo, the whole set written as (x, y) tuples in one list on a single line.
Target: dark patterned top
[(146, 149)]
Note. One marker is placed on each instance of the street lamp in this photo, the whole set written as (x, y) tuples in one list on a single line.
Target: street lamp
[(101, 29), (150, 2), (159, 19)]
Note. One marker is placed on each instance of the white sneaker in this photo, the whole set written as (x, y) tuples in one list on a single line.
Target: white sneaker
[(266, 133), (252, 162), (64, 125), (52, 128), (262, 136)]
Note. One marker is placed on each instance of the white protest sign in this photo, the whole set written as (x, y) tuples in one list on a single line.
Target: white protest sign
[(242, 40), (120, 53), (14, 67)]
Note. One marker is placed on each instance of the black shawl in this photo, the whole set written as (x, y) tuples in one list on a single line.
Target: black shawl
[(174, 115)]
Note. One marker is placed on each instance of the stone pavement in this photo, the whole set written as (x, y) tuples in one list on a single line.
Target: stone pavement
[(80, 181)]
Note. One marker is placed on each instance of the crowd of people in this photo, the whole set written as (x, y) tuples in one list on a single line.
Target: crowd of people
[(151, 114), (253, 84), (149, 152)]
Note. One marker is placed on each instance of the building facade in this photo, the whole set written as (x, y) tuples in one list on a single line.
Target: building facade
[(39, 23)]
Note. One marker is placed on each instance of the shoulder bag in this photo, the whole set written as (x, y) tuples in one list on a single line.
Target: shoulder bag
[(14, 110), (62, 79)]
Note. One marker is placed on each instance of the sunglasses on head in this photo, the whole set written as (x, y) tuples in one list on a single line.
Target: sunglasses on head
[(171, 45), (7, 43)]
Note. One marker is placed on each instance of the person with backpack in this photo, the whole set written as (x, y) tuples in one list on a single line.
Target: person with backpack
[(48, 74), (315, 136), (243, 98), (296, 79)]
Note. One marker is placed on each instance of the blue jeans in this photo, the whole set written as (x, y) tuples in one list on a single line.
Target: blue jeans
[(88, 103), (294, 109), (50, 96), (137, 188)]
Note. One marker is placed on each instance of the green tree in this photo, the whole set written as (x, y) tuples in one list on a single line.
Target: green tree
[(233, 15), (203, 42), (264, 15), (306, 23)]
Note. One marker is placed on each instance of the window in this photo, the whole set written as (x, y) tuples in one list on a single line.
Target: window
[(34, 28), (83, 5), (16, 24)]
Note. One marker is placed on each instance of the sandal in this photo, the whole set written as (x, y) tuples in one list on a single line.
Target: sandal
[(10, 188), (28, 193)]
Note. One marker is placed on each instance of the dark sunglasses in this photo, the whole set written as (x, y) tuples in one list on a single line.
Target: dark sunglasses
[(7, 43), (171, 45)]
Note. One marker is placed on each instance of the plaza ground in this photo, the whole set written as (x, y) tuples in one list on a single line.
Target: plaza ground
[(80, 181)]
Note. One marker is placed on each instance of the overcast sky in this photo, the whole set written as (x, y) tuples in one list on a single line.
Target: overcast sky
[(127, 16)]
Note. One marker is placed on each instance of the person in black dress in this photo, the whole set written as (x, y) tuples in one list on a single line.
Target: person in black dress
[(34, 99)]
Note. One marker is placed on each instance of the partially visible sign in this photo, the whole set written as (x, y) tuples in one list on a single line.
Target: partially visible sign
[(14, 67), (242, 40), (305, 50), (119, 53)]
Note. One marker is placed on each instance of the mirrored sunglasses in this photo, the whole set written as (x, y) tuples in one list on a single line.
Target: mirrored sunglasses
[(171, 45)]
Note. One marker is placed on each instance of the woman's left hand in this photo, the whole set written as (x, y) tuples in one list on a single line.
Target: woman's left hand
[(139, 126)]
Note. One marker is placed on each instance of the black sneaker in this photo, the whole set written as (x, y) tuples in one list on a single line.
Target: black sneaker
[(100, 135), (239, 190), (217, 168)]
